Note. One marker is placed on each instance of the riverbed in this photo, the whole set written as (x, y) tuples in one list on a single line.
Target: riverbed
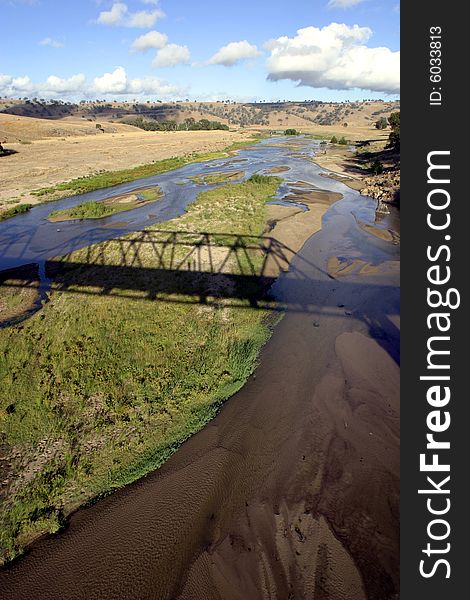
[(292, 491)]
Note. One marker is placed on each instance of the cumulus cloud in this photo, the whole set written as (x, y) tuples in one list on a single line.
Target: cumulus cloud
[(334, 57), (152, 39), (344, 3), (51, 42), (233, 53), (114, 83), (117, 82), (22, 84), (114, 16), (171, 55), (57, 85), (119, 16)]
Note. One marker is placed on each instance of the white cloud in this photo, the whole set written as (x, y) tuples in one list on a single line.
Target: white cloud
[(5, 81), (58, 85), (51, 42), (144, 19), (119, 16), (233, 53), (344, 3), (171, 55), (115, 83), (115, 16), (334, 57), (22, 84), (152, 39)]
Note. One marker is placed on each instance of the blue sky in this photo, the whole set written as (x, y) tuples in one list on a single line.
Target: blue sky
[(247, 50)]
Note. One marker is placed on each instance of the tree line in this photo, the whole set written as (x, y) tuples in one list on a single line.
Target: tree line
[(189, 124)]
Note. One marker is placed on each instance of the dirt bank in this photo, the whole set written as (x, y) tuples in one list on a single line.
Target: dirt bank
[(353, 169)]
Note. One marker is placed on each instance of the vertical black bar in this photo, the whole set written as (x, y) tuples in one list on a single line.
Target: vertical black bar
[(428, 127)]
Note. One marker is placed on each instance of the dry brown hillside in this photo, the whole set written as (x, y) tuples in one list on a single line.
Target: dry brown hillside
[(59, 119), (27, 129)]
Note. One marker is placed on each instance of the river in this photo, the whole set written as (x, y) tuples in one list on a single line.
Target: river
[(292, 491)]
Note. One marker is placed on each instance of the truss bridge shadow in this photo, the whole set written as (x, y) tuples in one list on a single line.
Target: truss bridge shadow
[(180, 266), (200, 268)]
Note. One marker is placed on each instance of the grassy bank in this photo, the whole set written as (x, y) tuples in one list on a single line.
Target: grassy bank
[(98, 390), (98, 210), (14, 210)]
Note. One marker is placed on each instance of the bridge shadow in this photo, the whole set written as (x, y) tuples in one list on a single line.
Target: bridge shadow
[(203, 268), (180, 266)]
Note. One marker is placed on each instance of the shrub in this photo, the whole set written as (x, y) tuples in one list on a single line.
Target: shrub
[(260, 179), (376, 168), (334, 140), (394, 137), (291, 132), (343, 141), (381, 123)]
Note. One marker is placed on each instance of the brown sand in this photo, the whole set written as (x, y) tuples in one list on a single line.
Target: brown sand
[(275, 170)]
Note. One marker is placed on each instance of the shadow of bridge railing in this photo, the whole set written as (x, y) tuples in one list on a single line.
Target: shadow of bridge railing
[(213, 253), (187, 267)]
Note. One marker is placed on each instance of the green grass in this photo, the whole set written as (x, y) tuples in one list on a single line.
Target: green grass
[(96, 391), (14, 210), (93, 209), (105, 179), (86, 210)]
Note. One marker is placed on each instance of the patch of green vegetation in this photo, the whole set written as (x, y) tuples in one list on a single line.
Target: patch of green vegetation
[(14, 210), (291, 132), (93, 209), (261, 179), (376, 167), (149, 194), (97, 390), (245, 143), (86, 210), (342, 141), (105, 179), (189, 124)]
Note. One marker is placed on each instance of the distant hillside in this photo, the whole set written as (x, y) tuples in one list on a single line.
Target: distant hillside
[(306, 116)]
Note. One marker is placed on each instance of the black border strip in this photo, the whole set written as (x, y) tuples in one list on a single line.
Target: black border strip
[(427, 128)]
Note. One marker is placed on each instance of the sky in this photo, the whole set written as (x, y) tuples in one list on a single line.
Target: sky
[(247, 50)]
